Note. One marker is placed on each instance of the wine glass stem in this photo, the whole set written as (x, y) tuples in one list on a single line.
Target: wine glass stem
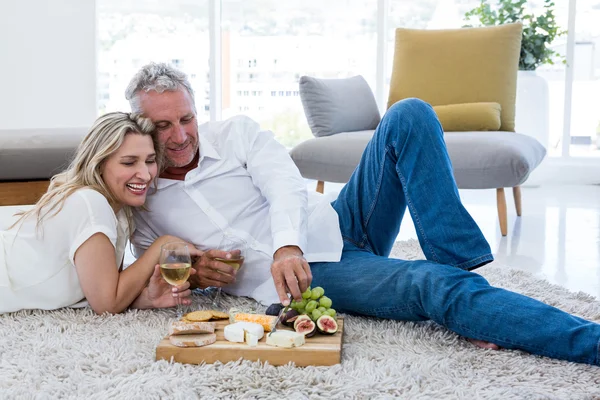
[(179, 307), (217, 299)]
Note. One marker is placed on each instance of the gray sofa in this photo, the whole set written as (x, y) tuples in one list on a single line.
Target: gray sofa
[(30, 157), (343, 115)]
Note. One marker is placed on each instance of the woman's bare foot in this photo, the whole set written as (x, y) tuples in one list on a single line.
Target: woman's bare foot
[(484, 345)]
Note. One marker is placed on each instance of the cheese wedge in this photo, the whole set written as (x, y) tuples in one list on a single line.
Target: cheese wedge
[(267, 321), (286, 339), (201, 339), (237, 332), (251, 340)]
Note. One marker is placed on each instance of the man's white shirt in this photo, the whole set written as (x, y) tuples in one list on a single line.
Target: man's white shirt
[(247, 187)]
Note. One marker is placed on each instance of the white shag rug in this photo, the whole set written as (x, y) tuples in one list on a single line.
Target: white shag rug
[(76, 354)]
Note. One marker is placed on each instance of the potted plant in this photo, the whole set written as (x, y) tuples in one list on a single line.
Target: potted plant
[(539, 31)]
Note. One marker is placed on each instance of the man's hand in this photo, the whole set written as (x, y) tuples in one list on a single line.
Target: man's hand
[(291, 273), (211, 272)]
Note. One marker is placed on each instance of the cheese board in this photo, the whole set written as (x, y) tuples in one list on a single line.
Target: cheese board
[(319, 350)]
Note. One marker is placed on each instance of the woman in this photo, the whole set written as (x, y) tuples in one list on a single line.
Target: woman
[(70, 245)]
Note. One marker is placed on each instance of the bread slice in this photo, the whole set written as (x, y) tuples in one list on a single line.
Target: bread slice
[(201, 339), (190, 328)]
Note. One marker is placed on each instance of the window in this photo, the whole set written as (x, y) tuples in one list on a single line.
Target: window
[(283, 40), (132, 33), (585, 106), (267, 49)]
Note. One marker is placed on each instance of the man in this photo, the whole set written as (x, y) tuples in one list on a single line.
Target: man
[(229, 179)]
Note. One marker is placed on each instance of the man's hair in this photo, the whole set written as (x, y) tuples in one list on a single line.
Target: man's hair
[(158, 77)]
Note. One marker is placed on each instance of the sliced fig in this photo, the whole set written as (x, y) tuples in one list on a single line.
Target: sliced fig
[(290, 321), (305, 326), (301, 318), (287, 320), (327, 325), (274, 309), (313, 332)]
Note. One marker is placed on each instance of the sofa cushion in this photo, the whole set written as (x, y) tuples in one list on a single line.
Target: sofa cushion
[(338, 105), (331, 158), (454, 66), (469, 117), (31, 154), (481, 160)]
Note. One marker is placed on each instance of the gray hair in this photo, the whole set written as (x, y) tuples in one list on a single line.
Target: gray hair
[(158, 77)]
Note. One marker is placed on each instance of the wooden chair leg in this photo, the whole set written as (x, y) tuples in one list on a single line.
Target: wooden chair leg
[(320, 186), (502, 217), (517, 196)]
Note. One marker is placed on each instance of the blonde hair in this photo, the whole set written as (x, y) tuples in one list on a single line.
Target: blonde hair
[(104, 139)]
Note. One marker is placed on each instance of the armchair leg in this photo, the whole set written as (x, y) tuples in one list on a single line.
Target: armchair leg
[(517, 196), (502, 218), (320, 186)]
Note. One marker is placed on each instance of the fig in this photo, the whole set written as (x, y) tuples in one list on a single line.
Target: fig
[(301, 318), (327, 325), (287, 320), (305, 326), (274, 309)]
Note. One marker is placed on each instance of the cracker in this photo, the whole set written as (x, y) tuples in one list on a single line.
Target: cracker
[(198, 316), (219, 314)]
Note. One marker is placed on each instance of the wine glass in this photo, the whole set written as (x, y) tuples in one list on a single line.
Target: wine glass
[(175, 263), (237, 249)]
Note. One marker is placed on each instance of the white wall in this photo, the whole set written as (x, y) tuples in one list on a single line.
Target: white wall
[(47, 63)]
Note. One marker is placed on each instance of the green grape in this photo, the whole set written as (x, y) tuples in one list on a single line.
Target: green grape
[(294, 305), (316, 314), (301, 310), (315, 294), (331, 312), (321, 290), (325, 302), (312, 305), (307, 294), (303, 303), (322, 309)]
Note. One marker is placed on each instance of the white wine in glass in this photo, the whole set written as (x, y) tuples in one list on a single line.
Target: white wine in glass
[(175, 274), (175, 263)]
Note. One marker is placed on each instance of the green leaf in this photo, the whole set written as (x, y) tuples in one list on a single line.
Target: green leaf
[(538, 31)]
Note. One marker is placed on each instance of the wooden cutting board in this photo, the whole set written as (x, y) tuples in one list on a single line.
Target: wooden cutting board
[(318, 350)]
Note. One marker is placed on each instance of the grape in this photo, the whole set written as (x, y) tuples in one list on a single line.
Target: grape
[(311, 306), (325, 302), (316, 314), (302, 304), (331, 312), (321, 290), (322, 309), (315, 294), (306, 295)]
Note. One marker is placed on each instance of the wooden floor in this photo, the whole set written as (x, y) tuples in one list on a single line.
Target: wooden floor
[(22, 193)]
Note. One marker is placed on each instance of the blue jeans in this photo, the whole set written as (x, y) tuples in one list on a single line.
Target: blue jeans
[(406, 164)]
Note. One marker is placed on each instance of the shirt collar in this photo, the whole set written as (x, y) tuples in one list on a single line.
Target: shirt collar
[(207, 149)]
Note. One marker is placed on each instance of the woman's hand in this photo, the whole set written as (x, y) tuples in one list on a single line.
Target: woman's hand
[(159, 294)]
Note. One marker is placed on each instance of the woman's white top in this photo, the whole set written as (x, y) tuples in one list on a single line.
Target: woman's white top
[(37, 268)]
